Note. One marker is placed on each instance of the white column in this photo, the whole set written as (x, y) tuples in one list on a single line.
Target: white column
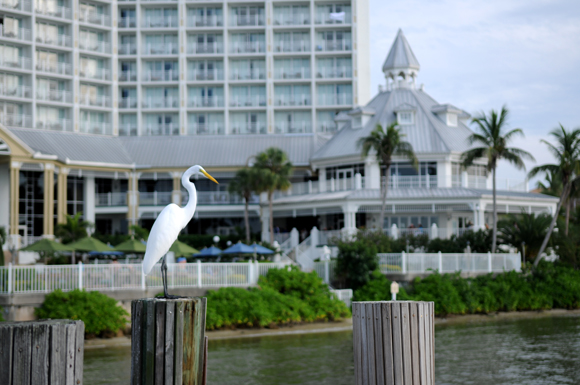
[(322, 179), (89, 195), (295, 237), (372, 174), (5, 195), (314, 237), (357, 181), (444, 174), (464, 182)]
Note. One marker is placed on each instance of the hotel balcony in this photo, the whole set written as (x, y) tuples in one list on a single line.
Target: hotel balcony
[(247, 20), (127, 103), (55, 125), (327, 127), (220, 198), (334, 45), (248, 47), (111, 199), (15, 91), (160, 129), (412, 181), (205, 21), (165, 49), (299, 73), (160, 76), (99, 128), (59, 96), (128, 22), (334, 99), (207, 75), (293, 128), (249, 128), (128, 76), (208, 101), (205, 48), (102, 101), (160, 22), (23, 34), (208, 129), (253, 74), (159, 103), (53, 10), (102, 74), (17, 5), (293, 100), (95, 18), (156, 198), (61, 40), (334, 73), (20, 62), (128, 129), (16, 120), (292, 46), (59, 68), (128, 49), (95, 46), (291, 19), (327, 19), (248, 101)]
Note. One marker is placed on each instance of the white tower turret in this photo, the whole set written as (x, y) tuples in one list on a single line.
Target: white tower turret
[(401, 66)]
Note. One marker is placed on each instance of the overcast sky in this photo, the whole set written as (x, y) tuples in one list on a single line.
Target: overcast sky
[(479, 55)]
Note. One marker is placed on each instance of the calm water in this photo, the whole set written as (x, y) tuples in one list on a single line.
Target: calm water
[(541, 351)]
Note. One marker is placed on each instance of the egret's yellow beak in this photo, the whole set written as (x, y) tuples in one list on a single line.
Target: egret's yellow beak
[(208, 176)]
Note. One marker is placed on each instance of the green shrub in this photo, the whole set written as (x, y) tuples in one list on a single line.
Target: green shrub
[(2, 314), (441, 290), (356, 260), (100, 313)]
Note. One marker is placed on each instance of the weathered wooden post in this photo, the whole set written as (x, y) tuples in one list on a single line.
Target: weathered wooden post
[(168, 341), (45, 352), (394, 343)]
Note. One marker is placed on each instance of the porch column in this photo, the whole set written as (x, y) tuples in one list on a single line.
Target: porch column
[(133, 198), (89, 197), (349, 217), (48, 197), (372, 174), (176, 194), (481, 215), (322, 179), (14, 200), (61, 195)]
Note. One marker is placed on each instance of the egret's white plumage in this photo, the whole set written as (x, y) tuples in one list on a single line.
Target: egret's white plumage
[(171, 221)]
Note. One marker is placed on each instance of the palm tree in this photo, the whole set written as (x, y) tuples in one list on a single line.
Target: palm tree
[(274, 170), (2, 241), (567, 154), (491, 134), (244, 184), (529, 228), (386, 143), (74, 229)]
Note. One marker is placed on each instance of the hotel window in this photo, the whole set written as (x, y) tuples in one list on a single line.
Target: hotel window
[(247, 16), (160, 124), (334, 94), (292, 42), (161, 97), (298, 95), (94, 122), (247, 69), (52, 34), (334, 41), (293, 122), (128, 71), (127, 124), (292, 68), (248, 122), (405, 117), (205, 97), (205, 70), (128, 98), (206, 124), (164, 70), (161, 44), (291, 15), (247, 43), (159, 18), (204, 17), (325, 121), (333, 14), (205, 43), (334, 67), (11, 27), (248, 96)]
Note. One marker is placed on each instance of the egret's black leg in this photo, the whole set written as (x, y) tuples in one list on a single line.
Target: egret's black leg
[(164, 278)]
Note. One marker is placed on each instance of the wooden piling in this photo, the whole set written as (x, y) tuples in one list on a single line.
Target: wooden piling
[(168, 341), (394, 343), (45, 352)]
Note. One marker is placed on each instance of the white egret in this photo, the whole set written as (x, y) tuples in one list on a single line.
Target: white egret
[(168, 225)]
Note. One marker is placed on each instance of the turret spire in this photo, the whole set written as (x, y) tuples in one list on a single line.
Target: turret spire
[(401, 65)]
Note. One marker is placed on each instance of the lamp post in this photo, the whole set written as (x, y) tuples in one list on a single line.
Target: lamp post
[(394, 290)]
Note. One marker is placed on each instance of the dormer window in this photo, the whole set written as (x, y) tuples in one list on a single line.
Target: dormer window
[(405, 117)]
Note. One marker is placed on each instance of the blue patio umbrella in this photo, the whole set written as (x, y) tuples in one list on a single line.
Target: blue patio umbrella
[(209, 252), (239, 248), (261, 249)]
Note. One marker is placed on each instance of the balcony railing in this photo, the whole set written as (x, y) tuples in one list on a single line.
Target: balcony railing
[(95, 18), (54, 67), (15, 33), (126, 103), (99, 128), (412, 181), (95, 73), (128, 49), (327, 127), (128, 129), (95, 100), (55, 125), (95, 46), (160, 76), (16, 120), (161, 49), (128, 76), (334, 73), (248, 101), (222, 198), (205, 48), (293, 100), (327, 19), (334, 99), (160, 129), (60, 40), (15, 91), (208, 101), (292, 46), (159, 22), (160, 102), (205, 21), (20, 62), (248, 47), (293, 128), (291, 19), (299, 73), (246, 20), (208, 129), (334, 45), (53, 10), (254, 74), (154, 198), (482, 183), (127, 22), (17, 5), (60, 96), (111, 199), (249, 128), (206, 75)]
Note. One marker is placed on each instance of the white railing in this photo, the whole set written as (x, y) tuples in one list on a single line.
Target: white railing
[(334, 45), (99, 128), (345, 295), (60, 96), (160, 129), (219, 198), (159, 22), (16, 120), (293, 128), (95, 73), (95, 18), (15, 91), (127, 22), (128, 49), (485, 183), (207, 75), (125, 103), (413, 181), (205, 21), (160, 102), (246, 20), (160, 76), (96, 46), (111, 199), (254, 74), (21, 62), (207, 128), (128, 76), (326, 19), (292, 46), (55, 125), (15, 33), (293, 100), (291, 19), (248, 47), (334, 73), (334, 99), (299, 73), (53, 10), (249, 128), (211, 48), (248, 101), (61, 40), (208, 101), (95, 100), (17, 5), (325, 270), (160, 49), (54, 67), (403, 263), (155, 198)]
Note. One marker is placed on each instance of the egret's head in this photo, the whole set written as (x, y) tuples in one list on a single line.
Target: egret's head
[(196, 170)]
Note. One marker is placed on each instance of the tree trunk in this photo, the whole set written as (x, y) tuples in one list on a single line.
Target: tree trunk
[(247, 219), (563, 197), (494, 230), (568, 204), (384, 188), (271, 207)]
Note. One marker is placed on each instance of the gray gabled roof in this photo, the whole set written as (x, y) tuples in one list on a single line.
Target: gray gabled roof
[(401, 55)]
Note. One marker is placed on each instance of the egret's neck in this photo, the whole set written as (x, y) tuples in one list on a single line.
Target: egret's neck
[(189, 208)]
